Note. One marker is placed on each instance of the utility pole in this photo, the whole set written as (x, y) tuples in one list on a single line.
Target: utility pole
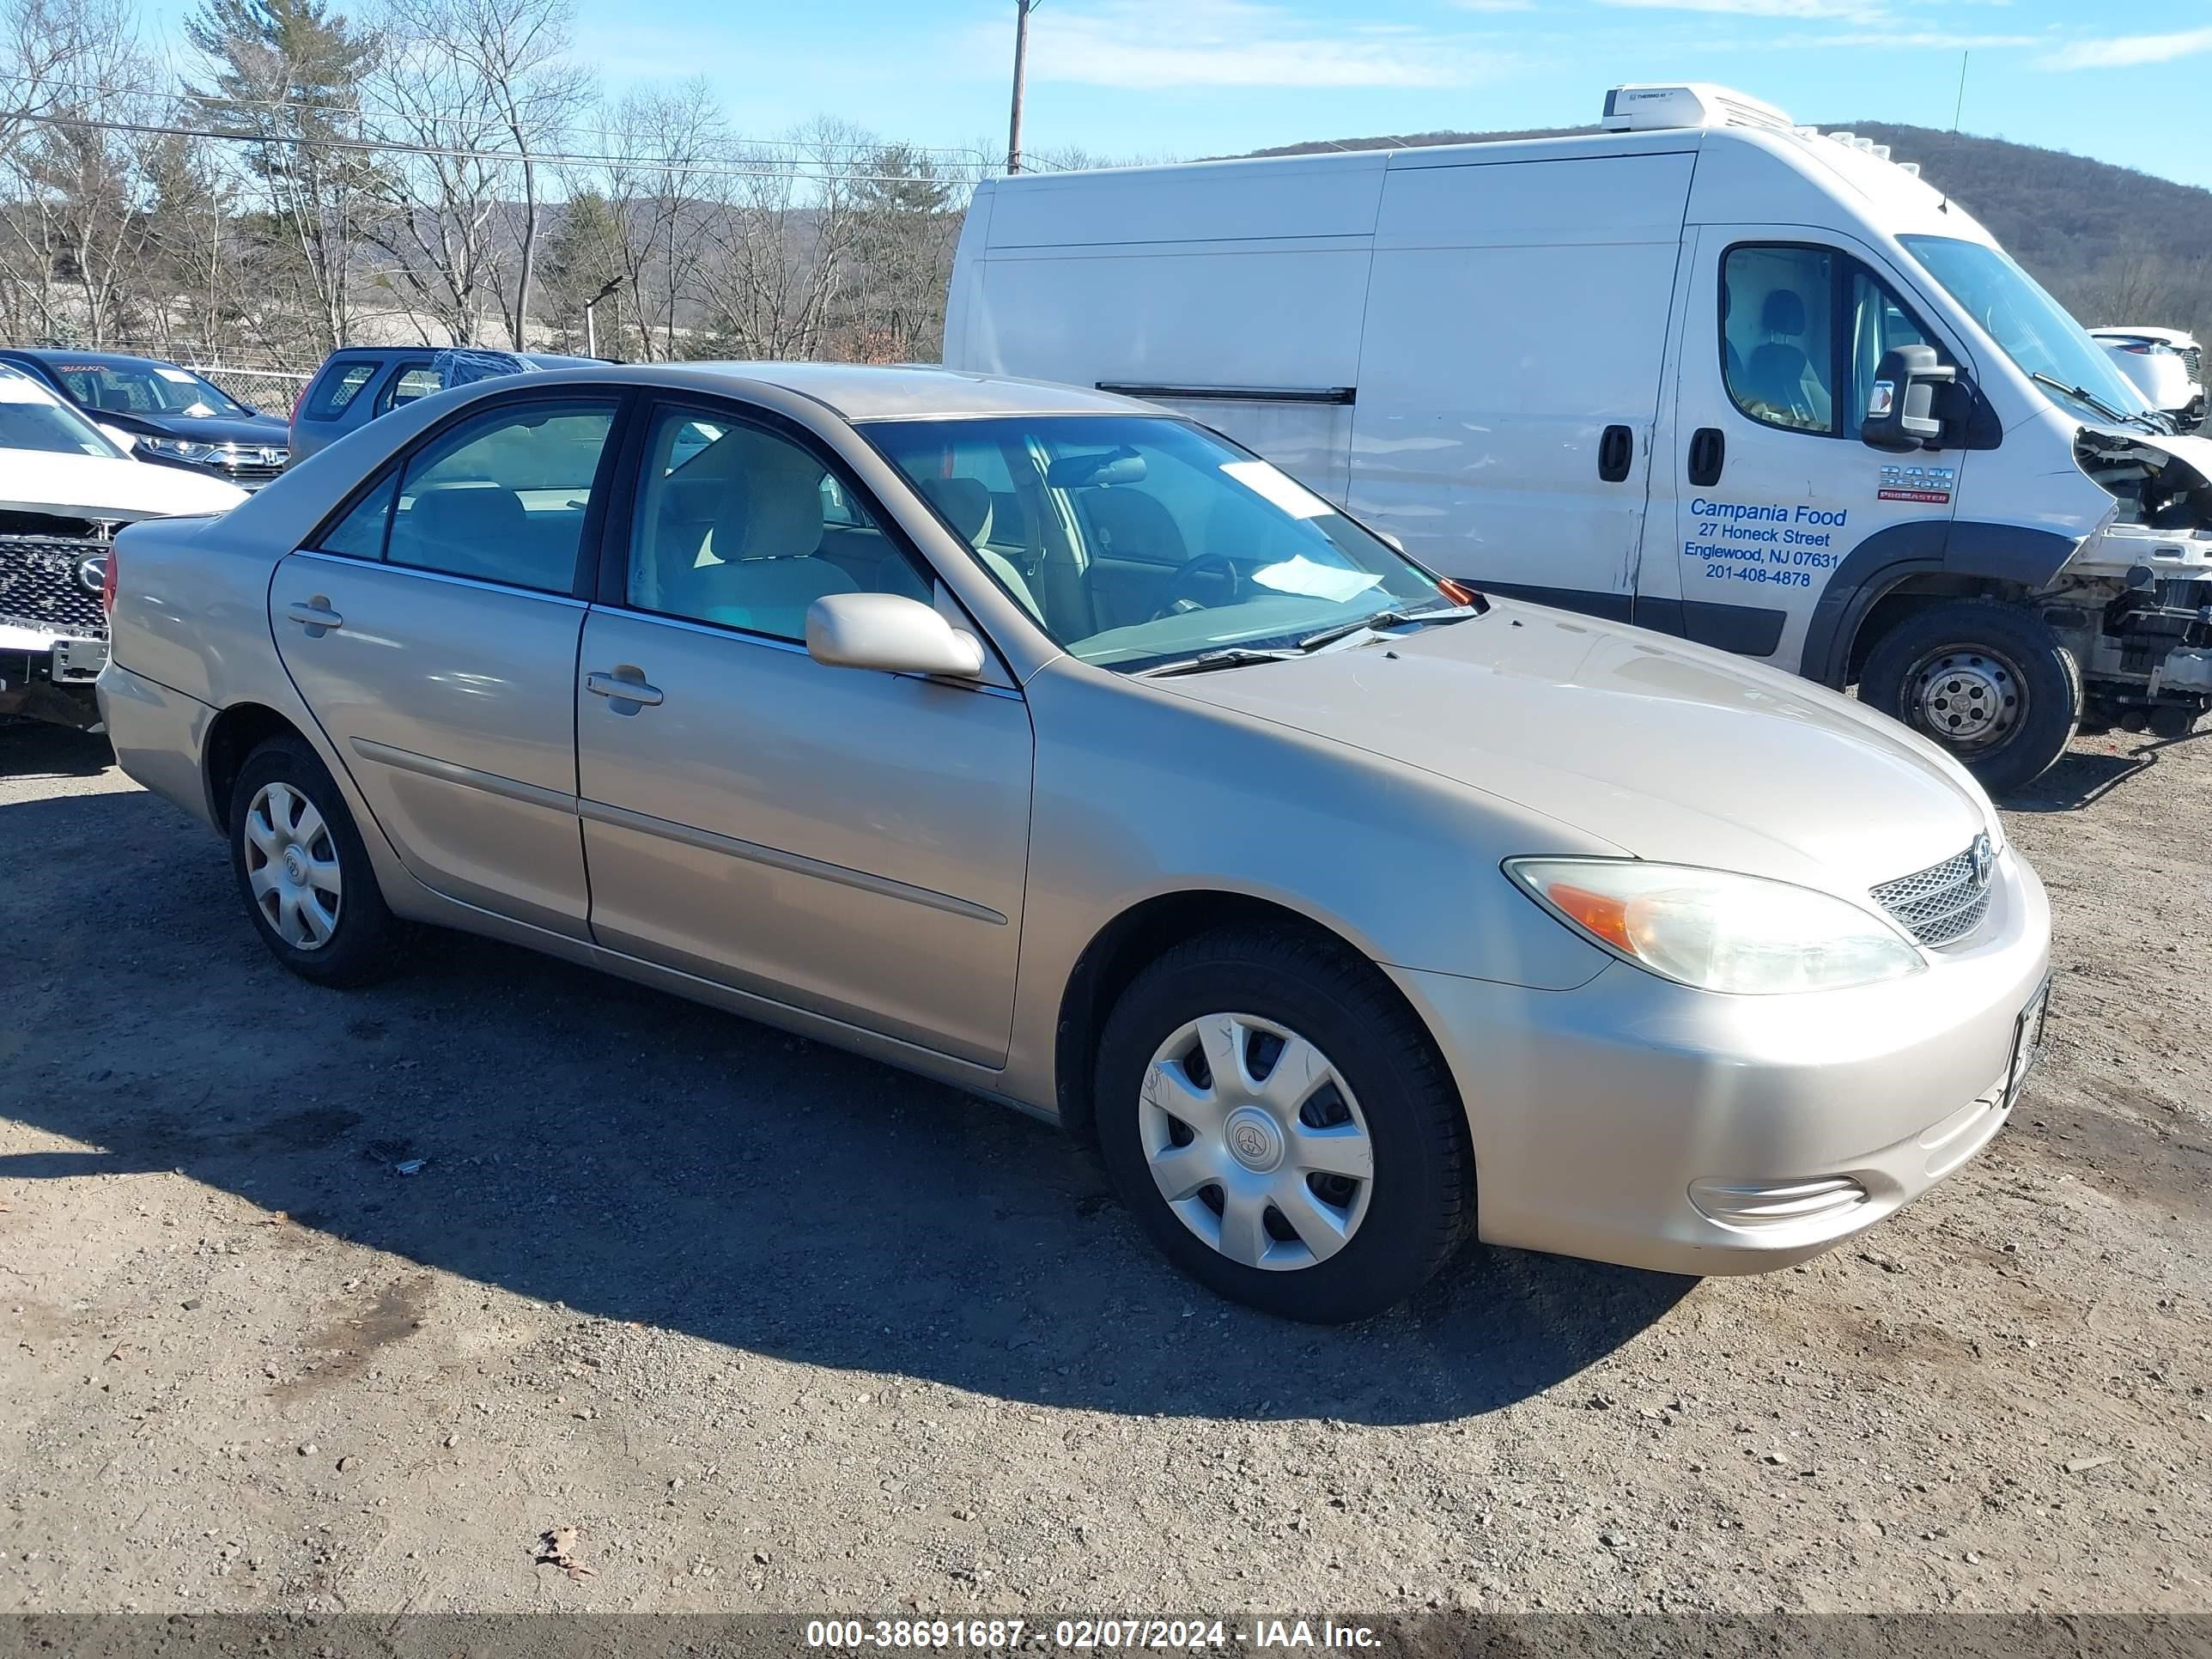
[(1022, 10)]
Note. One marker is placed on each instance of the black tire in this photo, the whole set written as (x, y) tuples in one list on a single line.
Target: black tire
[(2002, 650), (365, 941), (2173, 721), (1420, 1200)]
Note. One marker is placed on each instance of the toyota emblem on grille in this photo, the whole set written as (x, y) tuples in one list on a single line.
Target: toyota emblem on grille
[(1983, 857), (92, 573)]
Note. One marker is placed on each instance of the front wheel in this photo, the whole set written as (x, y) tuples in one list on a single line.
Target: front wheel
[(1282, 1127), (1987, 680)]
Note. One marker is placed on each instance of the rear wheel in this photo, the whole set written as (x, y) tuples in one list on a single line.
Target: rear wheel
[(1282, 1127), (1987, 680), (303, 872)]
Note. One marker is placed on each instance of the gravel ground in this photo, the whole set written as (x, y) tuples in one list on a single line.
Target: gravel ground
[(775, 1328)]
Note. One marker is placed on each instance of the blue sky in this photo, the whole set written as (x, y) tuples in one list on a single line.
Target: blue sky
[(1177, 78), (1190, 78)]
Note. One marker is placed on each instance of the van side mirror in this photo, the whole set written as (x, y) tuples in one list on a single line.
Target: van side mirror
[(1900, 412), (890, 633)]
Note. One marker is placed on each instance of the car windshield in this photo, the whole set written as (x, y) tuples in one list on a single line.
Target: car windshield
[(136, 388), (2030, 327), (1135, 540), (31, 419)]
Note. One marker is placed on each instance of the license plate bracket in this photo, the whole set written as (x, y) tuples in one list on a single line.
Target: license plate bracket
[(2027, 1042)]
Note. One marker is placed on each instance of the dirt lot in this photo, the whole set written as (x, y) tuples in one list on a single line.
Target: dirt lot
[(776, 1328)]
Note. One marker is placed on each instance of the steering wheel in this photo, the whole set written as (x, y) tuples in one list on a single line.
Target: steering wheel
[(1203, 583)]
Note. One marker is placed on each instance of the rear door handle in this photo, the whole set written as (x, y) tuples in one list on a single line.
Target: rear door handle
[(315, 615), (620, 688), (1616, 452), (1708, 453)]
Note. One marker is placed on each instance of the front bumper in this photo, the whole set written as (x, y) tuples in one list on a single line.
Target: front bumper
[(1638, 1122)]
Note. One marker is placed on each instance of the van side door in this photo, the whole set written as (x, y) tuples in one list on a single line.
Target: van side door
[(1510, 375), (1770, 487)]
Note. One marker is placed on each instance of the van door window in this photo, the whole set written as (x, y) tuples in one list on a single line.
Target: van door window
[(1880, 323), (1778, 335)]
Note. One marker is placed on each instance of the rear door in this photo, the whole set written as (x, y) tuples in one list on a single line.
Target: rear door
[(431, 629), (1509, 376), (1769, 488), (851, 843)]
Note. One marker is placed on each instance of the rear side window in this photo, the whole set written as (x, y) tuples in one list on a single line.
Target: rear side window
[(337, 386), (414, 380), (503, 497), (359, 534)]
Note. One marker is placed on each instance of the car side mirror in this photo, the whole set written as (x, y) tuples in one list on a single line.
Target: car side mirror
[(890, 633), (1900, 412)]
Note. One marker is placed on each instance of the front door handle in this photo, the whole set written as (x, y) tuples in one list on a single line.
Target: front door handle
[(315, 615), (1616, 452), (621, 687), (1708, 453)]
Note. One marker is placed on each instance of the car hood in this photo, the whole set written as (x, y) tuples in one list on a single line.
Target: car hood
[(96, 487), (248, 431), (1670, 751)]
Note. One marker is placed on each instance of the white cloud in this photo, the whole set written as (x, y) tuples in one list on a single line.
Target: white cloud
[(2126, 50), (1921, 39), (1148, 45), (1802, 11)]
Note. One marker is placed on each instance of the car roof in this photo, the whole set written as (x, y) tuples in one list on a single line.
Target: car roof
[(867, 392), (62, 355)]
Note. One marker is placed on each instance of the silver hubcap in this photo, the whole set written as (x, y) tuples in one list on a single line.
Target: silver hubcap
[(1971, 699), (292, 867), (1256, 1141)]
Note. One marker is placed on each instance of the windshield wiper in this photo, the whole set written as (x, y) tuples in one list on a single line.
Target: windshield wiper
[(2082, 394), (1235, 656), (1382, 619)]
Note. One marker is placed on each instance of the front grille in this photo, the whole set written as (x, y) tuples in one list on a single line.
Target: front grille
[(1943, 903), (2193, 359), (40, 588)]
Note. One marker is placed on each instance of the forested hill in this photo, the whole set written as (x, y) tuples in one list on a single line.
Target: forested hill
[(2117, 246)]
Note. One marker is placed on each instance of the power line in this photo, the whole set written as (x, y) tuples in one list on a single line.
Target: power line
[(762, 168), (965, 153)]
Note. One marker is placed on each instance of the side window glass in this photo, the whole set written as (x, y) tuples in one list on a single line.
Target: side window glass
[(335, 391), (359, 534), (414, 380), (1879, 323), (502, 498), (741, 527), (1778, 336)]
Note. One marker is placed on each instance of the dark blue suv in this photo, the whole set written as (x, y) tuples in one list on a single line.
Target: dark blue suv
[(356, 384), (174, 417)]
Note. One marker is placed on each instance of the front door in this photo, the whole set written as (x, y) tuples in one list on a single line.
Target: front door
[(1769, 489), (432, 630), (851, 843)]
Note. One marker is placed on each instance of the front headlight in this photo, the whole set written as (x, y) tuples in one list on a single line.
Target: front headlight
[(179, 449), (1719, 931)]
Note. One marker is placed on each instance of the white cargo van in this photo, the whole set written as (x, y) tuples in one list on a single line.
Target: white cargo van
[(1706, 371)]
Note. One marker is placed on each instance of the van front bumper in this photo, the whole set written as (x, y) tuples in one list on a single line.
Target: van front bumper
[(1639, 1121)]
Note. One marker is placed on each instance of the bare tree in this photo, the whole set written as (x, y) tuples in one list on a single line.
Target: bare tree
[(663, 203), (782, 248)]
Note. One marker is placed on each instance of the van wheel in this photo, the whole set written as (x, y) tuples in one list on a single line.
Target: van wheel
[(1282, 1126), (1987, 680), (303, 872)]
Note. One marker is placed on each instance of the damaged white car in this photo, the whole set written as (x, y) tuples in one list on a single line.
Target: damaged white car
[(66, 489)]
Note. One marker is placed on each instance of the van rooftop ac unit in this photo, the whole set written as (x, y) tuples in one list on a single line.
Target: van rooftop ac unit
[(1653, 108)]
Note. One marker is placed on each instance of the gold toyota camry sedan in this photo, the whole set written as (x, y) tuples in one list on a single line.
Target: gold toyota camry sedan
[(1046, 743)]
